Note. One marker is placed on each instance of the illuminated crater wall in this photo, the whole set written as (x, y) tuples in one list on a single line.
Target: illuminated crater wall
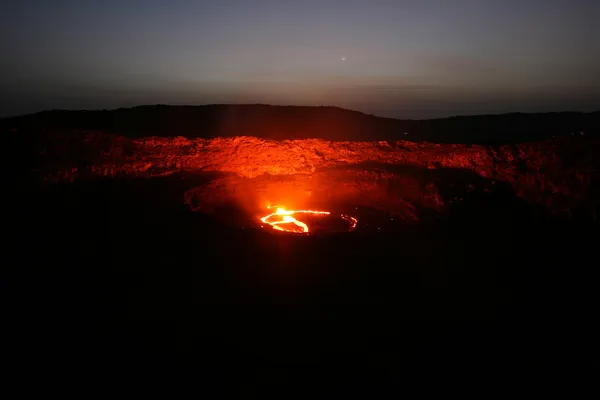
[(402, 179)]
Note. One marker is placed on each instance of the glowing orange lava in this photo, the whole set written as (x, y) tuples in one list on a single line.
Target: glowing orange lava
[(285, 220), (353, 221)]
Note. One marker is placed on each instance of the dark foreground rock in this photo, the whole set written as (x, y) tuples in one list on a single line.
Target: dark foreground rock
[(119, 274)]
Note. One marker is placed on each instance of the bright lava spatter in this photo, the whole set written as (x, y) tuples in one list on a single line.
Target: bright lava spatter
[(285, 221)]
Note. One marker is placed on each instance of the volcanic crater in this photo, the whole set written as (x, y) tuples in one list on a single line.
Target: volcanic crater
[(257, 159), (382, 184), (173, 241)]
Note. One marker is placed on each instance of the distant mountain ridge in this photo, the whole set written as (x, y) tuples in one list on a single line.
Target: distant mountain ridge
[(301, 122)]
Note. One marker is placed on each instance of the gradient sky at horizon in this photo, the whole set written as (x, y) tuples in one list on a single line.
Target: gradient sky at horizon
[(405, 59)]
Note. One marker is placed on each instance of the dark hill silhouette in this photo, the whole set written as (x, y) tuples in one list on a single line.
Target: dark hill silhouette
[(300, 122)]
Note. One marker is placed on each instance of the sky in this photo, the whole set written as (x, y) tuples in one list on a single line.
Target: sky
[(394, 58)]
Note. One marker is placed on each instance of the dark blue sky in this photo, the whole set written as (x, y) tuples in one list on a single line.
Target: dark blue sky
[(400, 58)]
